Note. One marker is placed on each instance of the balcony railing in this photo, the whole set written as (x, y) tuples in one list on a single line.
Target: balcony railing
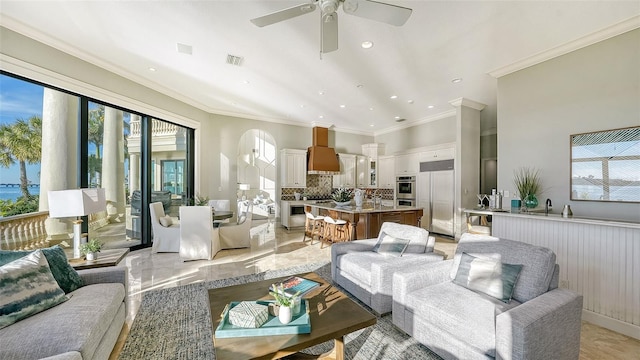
[(158, 128)]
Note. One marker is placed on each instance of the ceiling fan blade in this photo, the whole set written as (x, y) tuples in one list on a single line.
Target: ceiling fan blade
[(373, 10), (329, 33), (283, 14)]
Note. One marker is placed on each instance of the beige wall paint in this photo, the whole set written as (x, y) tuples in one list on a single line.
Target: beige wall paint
[(432, 133), (594, 88)]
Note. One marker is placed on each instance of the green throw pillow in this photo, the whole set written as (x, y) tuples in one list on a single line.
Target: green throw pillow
[(66, 276), (389, 245), (488, 276), (27, 287)]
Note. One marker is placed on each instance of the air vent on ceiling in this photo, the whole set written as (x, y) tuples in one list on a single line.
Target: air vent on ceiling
[(234, 60)]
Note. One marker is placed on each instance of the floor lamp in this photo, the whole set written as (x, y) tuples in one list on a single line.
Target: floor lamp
[(76, 203)]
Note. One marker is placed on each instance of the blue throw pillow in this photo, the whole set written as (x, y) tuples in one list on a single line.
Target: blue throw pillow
[(487, 276), (27, 287), (66, 276), (389, 245)]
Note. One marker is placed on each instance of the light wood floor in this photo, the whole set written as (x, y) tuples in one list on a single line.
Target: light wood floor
[(277, 249)]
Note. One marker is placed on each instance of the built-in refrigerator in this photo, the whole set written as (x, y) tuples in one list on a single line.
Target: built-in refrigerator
[(436, 195)]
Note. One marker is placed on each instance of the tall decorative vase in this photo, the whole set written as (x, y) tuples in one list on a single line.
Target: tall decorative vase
[(284, 314), (531, 201)]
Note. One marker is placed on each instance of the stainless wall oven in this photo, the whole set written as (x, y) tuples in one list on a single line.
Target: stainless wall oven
[(406, 202), (406, 187)]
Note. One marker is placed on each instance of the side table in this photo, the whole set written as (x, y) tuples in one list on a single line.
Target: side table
[(109, 257)]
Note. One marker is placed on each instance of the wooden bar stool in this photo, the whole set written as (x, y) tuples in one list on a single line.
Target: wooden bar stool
[(334, 230), (313, 226)]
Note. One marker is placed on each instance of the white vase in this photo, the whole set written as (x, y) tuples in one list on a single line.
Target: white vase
[(284, 315), (92, 256)]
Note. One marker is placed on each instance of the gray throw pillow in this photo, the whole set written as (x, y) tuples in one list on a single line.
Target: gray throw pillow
[(389, 245), (67, 277), (27, 287), (488, 276)]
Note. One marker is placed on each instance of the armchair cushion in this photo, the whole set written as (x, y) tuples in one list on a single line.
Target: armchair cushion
[(165, 221), (460, 313), (390, 245), (488, 276)]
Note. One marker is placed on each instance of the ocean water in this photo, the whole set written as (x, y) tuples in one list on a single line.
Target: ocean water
[(13, 193)]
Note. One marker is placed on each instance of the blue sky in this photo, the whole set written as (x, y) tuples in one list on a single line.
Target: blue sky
[(19, 99)]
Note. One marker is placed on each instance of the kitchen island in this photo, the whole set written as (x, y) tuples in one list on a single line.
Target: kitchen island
[(365, 222)]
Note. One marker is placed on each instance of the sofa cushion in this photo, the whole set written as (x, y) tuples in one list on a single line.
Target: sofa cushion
[(78, 324), (27, 287), (390, 245), (459, 312), (357, 265), (165, 221), (66, 276), (488, 276), (537, 262), (419, 237)]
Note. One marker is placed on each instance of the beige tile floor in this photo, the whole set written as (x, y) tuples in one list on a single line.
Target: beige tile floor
[(273, 247)]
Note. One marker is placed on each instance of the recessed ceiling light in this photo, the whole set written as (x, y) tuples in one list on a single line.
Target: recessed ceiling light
[(371, 125), (371, 108), (397, 117), (343, 106), (320, 92), (367, 44), (321, 116), (246, 82), (456, 80), (359, 86), (410, 101), (302, 106), (393, 97), (430, 107), (184, 49), (152, 69)]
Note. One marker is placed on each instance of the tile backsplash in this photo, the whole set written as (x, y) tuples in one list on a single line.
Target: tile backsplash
[(322, 186)]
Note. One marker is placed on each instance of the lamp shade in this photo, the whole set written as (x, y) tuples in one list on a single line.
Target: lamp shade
[(244, 186), (76, 202)]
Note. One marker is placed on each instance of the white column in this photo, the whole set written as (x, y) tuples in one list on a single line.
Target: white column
[(467, 158), (113, 164), (58, 161), (134, 163)]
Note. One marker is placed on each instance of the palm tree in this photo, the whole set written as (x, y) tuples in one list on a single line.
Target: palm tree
[(21, 142), (95, 136)]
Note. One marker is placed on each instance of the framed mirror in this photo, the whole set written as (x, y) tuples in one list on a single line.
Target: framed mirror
[(605, 165)]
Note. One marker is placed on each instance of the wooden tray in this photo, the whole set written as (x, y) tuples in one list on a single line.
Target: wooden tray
[(300, 324)]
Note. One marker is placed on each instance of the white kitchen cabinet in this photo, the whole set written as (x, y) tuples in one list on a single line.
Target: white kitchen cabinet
[(437, 155), (386, 172), (363, 171), (293, 165), (347, 177), (407, 164)]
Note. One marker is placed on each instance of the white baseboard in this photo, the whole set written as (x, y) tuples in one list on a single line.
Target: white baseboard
[(611, 324)]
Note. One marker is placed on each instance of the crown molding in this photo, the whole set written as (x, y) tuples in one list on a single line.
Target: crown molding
[(442, 115), (595, 37), (467, 103)]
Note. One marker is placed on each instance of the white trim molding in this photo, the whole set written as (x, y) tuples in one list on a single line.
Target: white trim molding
[(603, 34)]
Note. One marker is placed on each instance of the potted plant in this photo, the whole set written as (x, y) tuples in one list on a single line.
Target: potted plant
[(527, 182), (342, 196), (286, 304), (91, 249)]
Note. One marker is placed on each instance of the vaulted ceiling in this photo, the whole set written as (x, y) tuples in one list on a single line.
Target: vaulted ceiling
[(282, 75)]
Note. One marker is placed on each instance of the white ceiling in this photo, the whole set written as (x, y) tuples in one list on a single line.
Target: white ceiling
[(442, 40)]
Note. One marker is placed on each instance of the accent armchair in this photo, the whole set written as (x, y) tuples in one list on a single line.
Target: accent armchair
[(238, 235), (367, 273), (478, 305), (166, 230), (198, 238), (220, 205)]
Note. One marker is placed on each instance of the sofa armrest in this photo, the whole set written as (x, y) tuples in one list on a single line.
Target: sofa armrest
[(545, 327), (409, 280), (110, 274)]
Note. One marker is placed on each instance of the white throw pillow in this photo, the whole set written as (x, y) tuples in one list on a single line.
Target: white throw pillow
[(166, 221)]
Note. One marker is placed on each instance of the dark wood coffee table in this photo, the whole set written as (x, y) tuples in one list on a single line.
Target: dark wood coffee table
[(333, 315)]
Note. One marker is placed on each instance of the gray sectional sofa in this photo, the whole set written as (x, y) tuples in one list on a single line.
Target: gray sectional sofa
[(442, 306), (84, 327)]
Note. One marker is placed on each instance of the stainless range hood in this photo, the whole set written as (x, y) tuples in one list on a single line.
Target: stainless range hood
[(321, 159)]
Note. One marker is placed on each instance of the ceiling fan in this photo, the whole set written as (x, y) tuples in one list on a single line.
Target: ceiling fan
[(373, 10)]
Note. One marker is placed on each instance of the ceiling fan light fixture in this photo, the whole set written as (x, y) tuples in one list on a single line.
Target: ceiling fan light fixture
[(328, 6)]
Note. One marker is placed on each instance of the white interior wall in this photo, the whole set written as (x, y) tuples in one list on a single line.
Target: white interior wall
[(594, 88)]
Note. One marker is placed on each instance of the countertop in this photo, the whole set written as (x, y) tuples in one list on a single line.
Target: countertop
[(540, 215), (367, 208)]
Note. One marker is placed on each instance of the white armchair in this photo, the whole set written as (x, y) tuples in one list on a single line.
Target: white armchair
[(238, 235), (166, 230), (198, 238), (220, 205)]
